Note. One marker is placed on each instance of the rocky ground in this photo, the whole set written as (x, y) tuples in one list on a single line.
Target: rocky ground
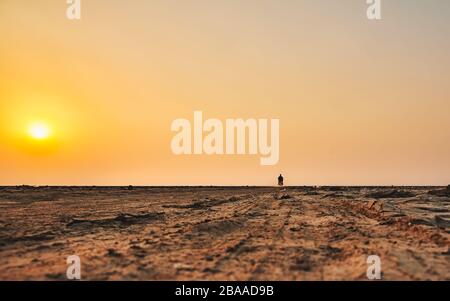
[(241, 233)]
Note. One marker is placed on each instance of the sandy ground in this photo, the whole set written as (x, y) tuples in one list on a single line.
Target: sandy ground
[(301, 233)]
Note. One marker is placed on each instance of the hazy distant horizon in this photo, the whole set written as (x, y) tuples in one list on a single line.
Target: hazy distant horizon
[(219, 186)]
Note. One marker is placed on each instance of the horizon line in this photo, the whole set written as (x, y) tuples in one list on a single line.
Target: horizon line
[(219, 186)]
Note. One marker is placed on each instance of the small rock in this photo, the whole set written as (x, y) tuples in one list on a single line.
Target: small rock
[(182, 267), (113, 253), (378, 206)]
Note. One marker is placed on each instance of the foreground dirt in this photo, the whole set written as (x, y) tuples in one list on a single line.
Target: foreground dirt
[(302, 233)]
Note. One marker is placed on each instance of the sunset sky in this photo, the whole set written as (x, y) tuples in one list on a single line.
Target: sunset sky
[(91, 102)]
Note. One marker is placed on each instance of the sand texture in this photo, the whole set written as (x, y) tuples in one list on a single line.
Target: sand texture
[(240, 233)]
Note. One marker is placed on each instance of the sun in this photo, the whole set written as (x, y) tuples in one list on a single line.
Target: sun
[(39, 131)]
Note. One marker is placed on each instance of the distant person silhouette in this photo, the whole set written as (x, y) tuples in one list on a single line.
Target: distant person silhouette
[(280, 180)]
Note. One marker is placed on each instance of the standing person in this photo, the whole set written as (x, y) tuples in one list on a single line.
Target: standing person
[(280, 180)]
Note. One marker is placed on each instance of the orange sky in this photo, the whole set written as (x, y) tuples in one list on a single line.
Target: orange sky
[(359, 102)]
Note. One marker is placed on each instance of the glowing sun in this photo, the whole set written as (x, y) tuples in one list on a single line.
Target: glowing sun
[(39, 131)]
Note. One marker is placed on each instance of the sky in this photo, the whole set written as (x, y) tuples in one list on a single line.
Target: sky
[(359, 102)]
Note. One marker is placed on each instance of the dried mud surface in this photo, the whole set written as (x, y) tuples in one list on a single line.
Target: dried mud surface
[(234, 233)]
